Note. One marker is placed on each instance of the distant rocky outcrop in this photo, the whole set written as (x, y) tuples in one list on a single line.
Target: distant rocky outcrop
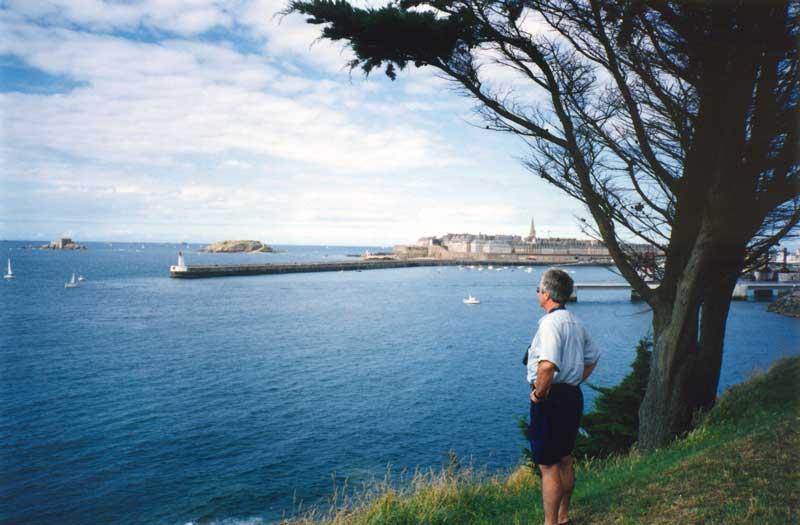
[(63, 243), (788, 304), (238, 247)]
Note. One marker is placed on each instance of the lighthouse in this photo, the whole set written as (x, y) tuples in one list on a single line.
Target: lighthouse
[(181, 266)]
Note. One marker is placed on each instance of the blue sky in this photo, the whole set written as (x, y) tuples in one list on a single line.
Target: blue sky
[(202, 120)]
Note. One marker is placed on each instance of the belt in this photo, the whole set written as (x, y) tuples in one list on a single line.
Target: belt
[(556, 385)]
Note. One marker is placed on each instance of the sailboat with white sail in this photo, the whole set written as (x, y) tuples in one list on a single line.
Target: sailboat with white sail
[(72, 283), (9, 274)]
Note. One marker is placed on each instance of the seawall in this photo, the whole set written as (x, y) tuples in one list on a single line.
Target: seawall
[(199, 272)]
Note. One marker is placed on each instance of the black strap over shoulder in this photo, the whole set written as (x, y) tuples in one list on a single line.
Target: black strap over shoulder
[(525, 357)]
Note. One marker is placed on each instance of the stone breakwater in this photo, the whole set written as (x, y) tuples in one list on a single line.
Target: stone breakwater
[(788, 304), (199, 272)]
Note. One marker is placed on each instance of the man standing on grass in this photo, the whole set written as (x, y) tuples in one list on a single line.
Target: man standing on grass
[(560, 357)]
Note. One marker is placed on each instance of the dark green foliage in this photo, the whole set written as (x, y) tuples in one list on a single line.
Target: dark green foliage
[(524, 428), (383, 35), (613, 425)]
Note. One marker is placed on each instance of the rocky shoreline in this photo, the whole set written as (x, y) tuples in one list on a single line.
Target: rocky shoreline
[(788, 304)]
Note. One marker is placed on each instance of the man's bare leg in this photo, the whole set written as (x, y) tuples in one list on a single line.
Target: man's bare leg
[(551, 492), (567, 474)]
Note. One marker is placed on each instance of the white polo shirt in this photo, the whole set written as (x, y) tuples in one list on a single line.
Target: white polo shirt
[(562, 340)]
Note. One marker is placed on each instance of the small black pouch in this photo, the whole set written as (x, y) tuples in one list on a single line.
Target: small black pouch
[(525, 357)]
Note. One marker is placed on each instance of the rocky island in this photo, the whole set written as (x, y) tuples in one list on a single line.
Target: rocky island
[(63, 243), (238, 247)]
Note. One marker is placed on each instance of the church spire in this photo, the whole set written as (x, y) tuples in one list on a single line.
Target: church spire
[(532, 234)]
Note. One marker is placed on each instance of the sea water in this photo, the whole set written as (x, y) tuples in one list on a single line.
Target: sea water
[(137, 398)]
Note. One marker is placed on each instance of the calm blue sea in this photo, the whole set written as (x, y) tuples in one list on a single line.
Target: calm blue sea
[(137, 398)]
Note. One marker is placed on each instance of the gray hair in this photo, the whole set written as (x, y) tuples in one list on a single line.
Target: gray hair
[(558, 284)]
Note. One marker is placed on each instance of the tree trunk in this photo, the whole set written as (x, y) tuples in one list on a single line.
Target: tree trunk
[(688, 336)]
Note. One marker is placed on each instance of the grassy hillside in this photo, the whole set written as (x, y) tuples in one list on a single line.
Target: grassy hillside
[(740, 466)]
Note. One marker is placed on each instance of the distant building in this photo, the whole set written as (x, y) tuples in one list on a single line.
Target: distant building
[(472, 245), (427, 241), (496, 246)]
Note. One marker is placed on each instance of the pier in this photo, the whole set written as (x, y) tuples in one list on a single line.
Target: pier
[(181, 271), (199, 271), (762, 290), (606, 286)]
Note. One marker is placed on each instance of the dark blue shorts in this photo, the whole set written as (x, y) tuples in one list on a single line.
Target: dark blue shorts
[(554, 424)]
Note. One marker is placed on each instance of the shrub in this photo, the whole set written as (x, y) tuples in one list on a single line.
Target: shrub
[(614, 424)]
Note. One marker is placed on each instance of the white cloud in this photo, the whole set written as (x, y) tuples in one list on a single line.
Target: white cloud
[(235, 165), (150, 103), (185, 17)]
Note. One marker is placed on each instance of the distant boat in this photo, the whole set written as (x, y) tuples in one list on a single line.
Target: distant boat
[(81, 278), (9, 274), (72, 282), (471, 300)]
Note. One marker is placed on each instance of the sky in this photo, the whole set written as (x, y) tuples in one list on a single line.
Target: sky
[(204, 120)]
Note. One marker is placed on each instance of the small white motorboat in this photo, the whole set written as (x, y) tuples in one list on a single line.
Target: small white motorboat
[(81, 278), (9, 274), (471, 300), (72, 282)]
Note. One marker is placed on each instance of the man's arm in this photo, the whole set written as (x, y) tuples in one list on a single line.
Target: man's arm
[(544, 378), (588, 369)]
